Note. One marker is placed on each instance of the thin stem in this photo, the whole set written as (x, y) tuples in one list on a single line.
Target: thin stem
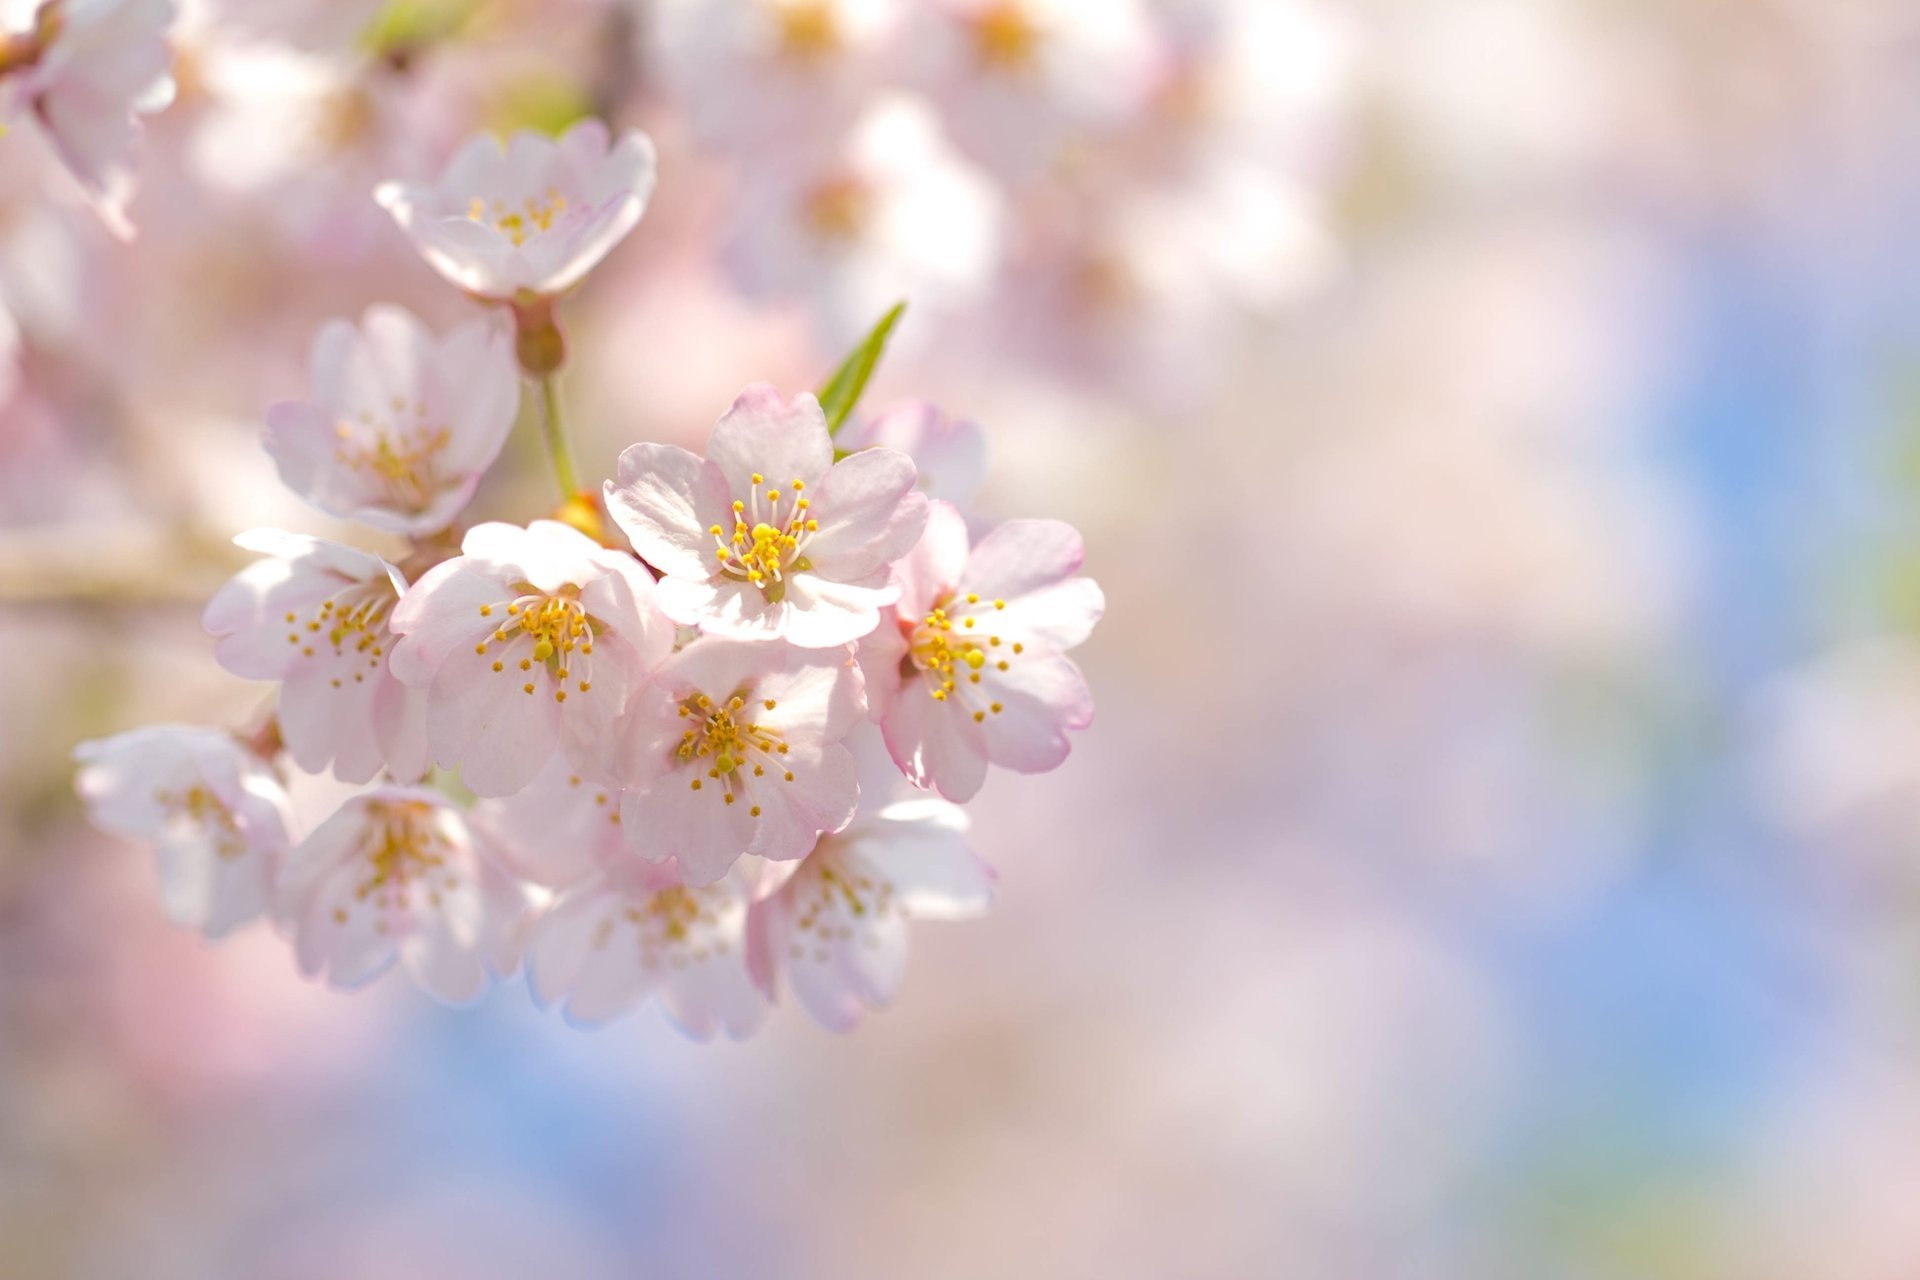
[(553, 431)]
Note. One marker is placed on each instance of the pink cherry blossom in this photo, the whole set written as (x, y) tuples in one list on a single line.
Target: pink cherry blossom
[(214, 812), (400, 425), (838, 928), (397, 873), (84, 71), (1019, 82), (768, 537), (531, 216), (949, 454), (734, 748), (635, 932), (890, 212), (314, 615), (530, 641), (768, 74), (972, 671)]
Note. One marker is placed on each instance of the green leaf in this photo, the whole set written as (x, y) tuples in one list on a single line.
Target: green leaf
[(844, 388)]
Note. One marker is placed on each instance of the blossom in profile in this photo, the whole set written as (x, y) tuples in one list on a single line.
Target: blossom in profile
[(530, 216), (529, 642), (399, 425), (84, 72), (971, 670), (398, 874), (314, 616), (633, 933), (949, 454), (734, 748), (214, 812), (768, 76), (837, 929), (768, 537)]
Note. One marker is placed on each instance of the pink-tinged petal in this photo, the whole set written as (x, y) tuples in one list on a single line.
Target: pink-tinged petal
[(667, 500), (936, 744), (1057, 617), (817, 694), (823, 614), (779, 440), (300, 440), (672, 818), (485, 723), (440, 616), (820, 797), (625, 598), (474, 373), (443, 965), (325, 719), (731, 610), (1041, 699), (936, 562), (1022, 556), (919, 846), (400, 727), (950, 454), (348, 952), (558, 262), (879, 655), (597, 688), (869, 512), (559, 830)]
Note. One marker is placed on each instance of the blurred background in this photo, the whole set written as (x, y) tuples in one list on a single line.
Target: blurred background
[(1496, 426)]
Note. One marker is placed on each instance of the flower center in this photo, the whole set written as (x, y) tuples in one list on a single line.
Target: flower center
[(1005, 38), (954, 661), (403, 847), (834, 900), (399, 458), (808, 31), (352, 622), (766, 545), (675, 926), (838, 208), (730, 745), (519, 225), (206, 813), (557, 630)]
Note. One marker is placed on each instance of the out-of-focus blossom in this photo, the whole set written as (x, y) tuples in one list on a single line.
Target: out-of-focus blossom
[(214, 813), (531, 640), (949, 454), (734, 748), (84, 71), (532, 216), (1020, 83), (314, 615), (768, 537), (837, 929), (397, 873), (893, 213), (400, 425), (984, 636), (770, 76), (635, 932)]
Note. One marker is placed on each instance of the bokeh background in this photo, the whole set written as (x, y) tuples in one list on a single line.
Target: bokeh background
[(1497, 853)]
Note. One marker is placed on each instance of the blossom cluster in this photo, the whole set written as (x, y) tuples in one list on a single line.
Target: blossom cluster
[(696, 736)]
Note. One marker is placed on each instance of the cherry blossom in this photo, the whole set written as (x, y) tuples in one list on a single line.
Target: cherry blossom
[(768, 537), (400, 425), (734, 748), (314, 615), (84, 71), (635, 932), (561, 828), (949, 454), (398, 874), (1018, 82), (973, 671), (891, 212), (837, 929), (531, 640), (531, 216), (215, 813), (773, 73)]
